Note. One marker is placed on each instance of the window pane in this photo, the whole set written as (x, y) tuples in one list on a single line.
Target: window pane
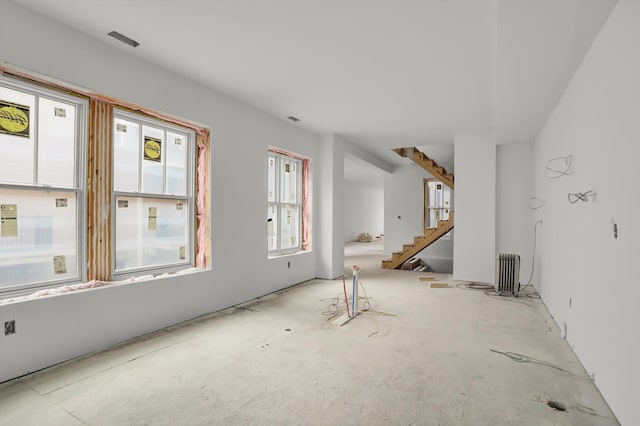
[(439, 202), (290, 229), (176, 164), (272, 227), (446, 202), (126, 152), (153, 160), (271, 179), (16, 136), (56, 143), (151, 232), (288, 180), (432, 221), (37, 236)]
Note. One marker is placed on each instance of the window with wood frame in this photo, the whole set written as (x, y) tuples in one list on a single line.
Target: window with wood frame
[(92, 188), (287, 203), (43, 138), (437, 203), (153, 193)]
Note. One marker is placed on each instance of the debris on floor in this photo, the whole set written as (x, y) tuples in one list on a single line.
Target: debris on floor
[(416, 265), (364, 237), (557, 405), (426, 278)]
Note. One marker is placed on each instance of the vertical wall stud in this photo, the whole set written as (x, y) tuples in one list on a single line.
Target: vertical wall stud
[(99, 189)]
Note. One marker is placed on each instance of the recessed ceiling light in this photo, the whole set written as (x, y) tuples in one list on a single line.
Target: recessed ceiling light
[(123, 38), (292, 118)]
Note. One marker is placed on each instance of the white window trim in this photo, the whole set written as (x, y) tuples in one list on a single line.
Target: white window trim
[(79, 181), (285, 252), (189, 198), (446, 236)]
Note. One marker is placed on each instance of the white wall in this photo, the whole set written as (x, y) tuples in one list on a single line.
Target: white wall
[(54, 329), (514, 218), (363, 210), (439, 255), (404, 197), (403, 206), (588, 279), (475, 194), (329, 182)]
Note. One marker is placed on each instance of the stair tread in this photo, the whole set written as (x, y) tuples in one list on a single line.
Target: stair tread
[(428, 163), (431, 235)]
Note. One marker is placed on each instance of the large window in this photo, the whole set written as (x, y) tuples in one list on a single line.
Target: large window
[(42, 191), (91, 191), (284, 204), (153, 186)]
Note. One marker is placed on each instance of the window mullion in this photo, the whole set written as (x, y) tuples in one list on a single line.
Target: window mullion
[(148, 195), (140, 155), (299, 203), (80, 183), (163, 149), (36, 115), (277, 200), (191, 159)]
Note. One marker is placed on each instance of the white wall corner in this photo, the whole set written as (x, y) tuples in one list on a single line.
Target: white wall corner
[(475, 204), (330, 209)]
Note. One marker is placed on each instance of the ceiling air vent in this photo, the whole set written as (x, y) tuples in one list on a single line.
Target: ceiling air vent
[(123, 38)]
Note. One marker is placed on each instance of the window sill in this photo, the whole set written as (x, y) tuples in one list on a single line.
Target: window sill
[(72, 288), (281, 255)]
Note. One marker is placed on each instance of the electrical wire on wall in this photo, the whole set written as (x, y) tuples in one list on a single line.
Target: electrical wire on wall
[(536, 203), (558, 167), (489, 289), (574, 197), (533, 256)]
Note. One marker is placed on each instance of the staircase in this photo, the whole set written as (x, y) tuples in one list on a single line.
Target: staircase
[(431, 235), (419, 243), (421, 159)]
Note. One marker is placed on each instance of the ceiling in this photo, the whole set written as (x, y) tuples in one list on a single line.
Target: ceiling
[(361, 173), (380, 73)]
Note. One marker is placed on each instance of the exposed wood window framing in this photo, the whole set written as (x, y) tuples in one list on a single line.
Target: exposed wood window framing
[(282, 208), (42, 186), (98, 214), (99, 184), (203, 194)]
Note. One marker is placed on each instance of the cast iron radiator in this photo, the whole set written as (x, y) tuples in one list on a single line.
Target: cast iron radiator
[(507, 273)]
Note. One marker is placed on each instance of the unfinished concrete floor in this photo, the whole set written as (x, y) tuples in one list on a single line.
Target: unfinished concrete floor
[(277, 360)]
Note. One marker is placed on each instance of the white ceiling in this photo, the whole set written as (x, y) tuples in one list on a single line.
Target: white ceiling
[(381, 73)]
